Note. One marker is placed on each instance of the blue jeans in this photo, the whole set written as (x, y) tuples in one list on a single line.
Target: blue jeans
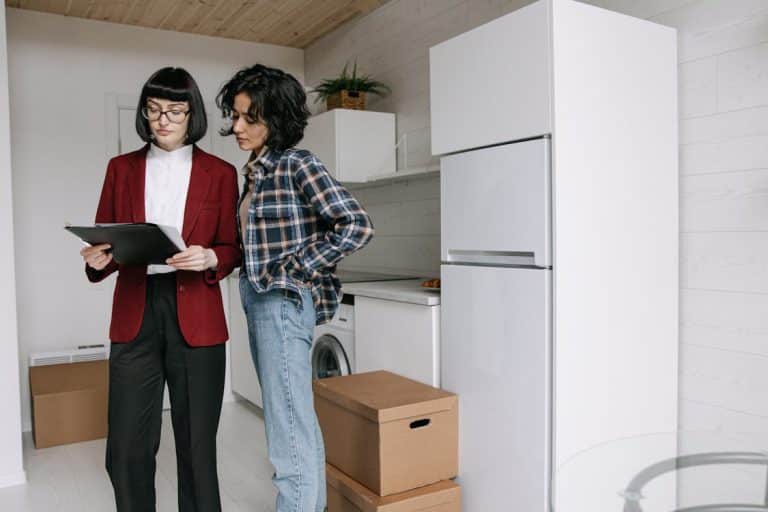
[(280, 330)]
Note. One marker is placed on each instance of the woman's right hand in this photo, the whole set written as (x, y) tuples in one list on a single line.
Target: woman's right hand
[(97, 256)]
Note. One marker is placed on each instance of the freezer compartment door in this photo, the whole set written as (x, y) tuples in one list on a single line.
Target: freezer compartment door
[(496, 355), (496, 205)]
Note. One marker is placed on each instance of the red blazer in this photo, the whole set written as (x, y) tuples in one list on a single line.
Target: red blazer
[(209, 221)]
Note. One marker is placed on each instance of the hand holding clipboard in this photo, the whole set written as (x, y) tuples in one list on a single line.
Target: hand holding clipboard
[(130, 243)]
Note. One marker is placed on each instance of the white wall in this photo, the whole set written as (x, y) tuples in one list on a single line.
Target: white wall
[(724, 204), (61, 70), (11, 469), (406, 215), (724, 239)]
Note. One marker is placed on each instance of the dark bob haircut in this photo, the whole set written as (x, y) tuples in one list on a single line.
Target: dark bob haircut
[(173, 84), (277, 99)]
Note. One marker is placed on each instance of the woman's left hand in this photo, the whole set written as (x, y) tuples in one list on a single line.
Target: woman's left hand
[(195, 258)]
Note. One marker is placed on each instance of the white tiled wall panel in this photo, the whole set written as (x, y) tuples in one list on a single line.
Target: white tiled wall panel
[(733, 154), (725, 260), (726, 320), (742, 78), (695, 17), (717, 128), (698, 87), (741, 34), (728, 201), (406, 215), (723, 54)]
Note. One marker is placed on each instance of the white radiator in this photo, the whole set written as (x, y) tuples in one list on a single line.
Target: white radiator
[(69, 356)]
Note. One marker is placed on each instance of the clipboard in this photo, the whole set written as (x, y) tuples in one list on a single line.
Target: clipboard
[(140, 243)]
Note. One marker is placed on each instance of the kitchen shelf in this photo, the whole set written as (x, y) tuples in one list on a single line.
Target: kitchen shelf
[(414, 172)]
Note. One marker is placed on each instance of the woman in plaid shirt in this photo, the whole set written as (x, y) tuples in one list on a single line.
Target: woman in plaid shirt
[(296, 222)]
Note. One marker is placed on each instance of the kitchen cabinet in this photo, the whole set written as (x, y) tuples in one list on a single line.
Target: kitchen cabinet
[(401, 337), (244, 380), (354, 145), (496, 79)]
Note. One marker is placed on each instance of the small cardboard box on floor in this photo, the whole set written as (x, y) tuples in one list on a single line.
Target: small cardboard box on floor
[(69, 402), (347, 495), (389, 433)]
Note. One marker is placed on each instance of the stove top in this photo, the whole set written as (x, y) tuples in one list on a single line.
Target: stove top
[(352, 276)]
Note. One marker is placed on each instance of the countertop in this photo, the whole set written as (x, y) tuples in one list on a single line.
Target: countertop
[(405, 290), (409, 290)]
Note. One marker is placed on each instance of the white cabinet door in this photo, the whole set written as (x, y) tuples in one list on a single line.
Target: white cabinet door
[(501, 67), (496, 355), (398, 337), (244, 379), (354, 145), (320, 139)]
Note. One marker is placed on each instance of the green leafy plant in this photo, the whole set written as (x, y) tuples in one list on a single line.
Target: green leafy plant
[(347, 82)]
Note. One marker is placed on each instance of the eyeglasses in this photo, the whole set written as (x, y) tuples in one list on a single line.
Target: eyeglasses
[(173, 116)]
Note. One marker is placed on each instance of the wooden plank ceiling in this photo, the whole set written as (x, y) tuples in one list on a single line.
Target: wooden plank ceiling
[(295, 23)]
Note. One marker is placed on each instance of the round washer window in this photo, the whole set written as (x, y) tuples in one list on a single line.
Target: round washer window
[(329, 358)]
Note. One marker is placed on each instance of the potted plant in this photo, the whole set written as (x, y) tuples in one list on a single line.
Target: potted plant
[(349, 91)]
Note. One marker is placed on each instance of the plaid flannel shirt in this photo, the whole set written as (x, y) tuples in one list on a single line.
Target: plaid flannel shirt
[(301, 223)]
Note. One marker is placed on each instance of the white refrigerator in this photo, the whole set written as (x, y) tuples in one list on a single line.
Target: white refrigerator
[(557, 130), (497, 321)]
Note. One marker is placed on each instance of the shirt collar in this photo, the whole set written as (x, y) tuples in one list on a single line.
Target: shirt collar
[(177, 156), (267, 159)]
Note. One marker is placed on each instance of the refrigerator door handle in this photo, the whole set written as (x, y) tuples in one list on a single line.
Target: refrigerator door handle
[(494, 258)]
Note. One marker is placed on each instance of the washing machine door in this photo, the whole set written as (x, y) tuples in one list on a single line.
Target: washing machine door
[(329, 358)]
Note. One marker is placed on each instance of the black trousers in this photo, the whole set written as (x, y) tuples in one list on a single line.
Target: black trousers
[(137, 373)]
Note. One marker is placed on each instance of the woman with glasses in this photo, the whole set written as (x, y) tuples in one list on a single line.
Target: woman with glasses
[(168, 322)]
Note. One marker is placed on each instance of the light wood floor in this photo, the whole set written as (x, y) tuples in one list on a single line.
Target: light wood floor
[(72, 478)]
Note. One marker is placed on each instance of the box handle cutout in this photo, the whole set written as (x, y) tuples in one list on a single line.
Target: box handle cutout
[(420, 423)]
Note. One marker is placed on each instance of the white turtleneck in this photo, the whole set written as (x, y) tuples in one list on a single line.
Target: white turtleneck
[(165, 190)]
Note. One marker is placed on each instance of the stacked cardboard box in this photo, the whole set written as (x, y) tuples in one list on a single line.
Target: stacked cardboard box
[(391, 443), (69, 402)]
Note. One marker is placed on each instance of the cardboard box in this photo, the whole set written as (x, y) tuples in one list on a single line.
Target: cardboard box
[(390, 433), (346, 495), (69, 402)]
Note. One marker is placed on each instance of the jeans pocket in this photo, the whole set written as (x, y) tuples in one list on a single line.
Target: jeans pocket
[(294, 326)]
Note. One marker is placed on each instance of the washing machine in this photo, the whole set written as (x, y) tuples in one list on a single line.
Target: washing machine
[(333, 349)]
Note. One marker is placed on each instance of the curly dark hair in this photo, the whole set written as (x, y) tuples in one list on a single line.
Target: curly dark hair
[(277, 99)]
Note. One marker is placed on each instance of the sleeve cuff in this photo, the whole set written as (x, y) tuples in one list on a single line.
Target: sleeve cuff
[(96, 276), (213, 276)]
